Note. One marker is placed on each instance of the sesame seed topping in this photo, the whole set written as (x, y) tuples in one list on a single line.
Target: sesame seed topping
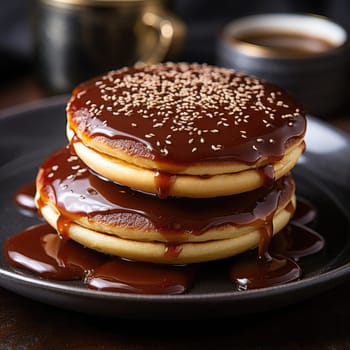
[(216, 147), (178, 109), (72, 159), (81, 93), (164, 151)]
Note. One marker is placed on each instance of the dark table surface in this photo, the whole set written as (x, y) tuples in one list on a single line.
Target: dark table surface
[(322, 322)]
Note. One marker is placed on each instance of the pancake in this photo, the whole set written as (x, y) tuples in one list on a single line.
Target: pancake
[(210, 131), (165, 253), (192, 186), (116, 220)]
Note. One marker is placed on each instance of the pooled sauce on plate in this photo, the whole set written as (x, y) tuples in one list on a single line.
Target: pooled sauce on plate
[(279, 263), (40, 250), (250, 272), (24, 199)]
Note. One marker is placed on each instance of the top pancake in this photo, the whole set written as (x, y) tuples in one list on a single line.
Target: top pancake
[(191, 119)]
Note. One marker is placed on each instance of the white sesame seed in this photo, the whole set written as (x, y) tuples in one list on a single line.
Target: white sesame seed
[(176, 99), (216, 147)]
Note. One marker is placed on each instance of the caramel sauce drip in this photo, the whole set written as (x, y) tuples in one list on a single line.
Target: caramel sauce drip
[(290, 208), (64, 180), (305, 212), (277, 261), (266, 232), (163, 182), (268, 174), (40, 250), (247, 272), (63, 224), (297, 241), (142, 278), (187, 113), (24, 199), (172, 250)]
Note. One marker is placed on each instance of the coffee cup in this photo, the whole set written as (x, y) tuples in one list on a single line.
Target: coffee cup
[(305, 54), (78, 39)]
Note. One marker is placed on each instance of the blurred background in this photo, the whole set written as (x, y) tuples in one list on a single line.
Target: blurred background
[(20, 22)]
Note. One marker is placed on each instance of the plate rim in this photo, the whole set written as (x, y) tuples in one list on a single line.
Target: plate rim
[(25, 107), (337, 275), (333, 275)]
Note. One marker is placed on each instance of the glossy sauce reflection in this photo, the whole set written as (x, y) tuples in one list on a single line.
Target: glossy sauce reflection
[(24, 199), (278, 263), (79, 193), (142, 278), (40, 250), (248, 272), (163, 182), (183, 96)]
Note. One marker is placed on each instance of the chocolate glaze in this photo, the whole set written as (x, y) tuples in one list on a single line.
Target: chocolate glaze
[(142, 278), (268, 174), (163, 182), (40, 250), (305, 213), (65, 181), (248, 272), (172, 250), (276, 264), (266, 232), (24, 199), (296, 241), (187, 113)]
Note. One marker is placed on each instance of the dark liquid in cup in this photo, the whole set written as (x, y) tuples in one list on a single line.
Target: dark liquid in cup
[(289, 43)]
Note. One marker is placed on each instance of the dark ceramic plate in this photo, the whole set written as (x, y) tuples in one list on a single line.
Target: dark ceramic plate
[(30, 133)]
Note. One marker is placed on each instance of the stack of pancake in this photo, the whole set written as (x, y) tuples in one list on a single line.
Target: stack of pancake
[(174, 163)]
